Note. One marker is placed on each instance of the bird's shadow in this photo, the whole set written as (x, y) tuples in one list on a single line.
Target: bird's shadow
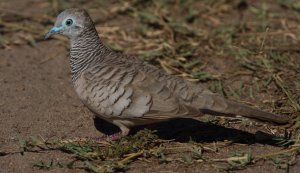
[(183, 130)]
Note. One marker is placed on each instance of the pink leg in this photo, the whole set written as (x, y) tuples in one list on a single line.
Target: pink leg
[(118, 135), (115, 136), (124, 130)]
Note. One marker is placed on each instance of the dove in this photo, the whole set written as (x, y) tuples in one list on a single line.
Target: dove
[(127, 91)]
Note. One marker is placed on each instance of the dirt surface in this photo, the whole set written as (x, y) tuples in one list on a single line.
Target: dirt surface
[(38, 100)]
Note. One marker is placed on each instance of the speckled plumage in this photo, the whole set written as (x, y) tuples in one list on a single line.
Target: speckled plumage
[(127, 91)]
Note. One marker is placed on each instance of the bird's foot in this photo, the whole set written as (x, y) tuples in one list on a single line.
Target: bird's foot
[(116, 136), (113, 137)]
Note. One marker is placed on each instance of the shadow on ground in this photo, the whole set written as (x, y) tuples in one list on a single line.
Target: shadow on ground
[(183, 130)]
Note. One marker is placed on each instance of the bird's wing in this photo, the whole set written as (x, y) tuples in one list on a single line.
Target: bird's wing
[(132, 93)]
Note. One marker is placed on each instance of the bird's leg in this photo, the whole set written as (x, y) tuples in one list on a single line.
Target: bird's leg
[(115, 136), (124, 131)]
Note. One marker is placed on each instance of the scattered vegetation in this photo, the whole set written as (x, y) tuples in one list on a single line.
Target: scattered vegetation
[(99, 155)]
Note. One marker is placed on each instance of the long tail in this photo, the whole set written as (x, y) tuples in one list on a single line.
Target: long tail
[(224, 107)]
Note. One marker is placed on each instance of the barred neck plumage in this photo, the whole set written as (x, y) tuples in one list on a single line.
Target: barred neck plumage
[(85, 50)]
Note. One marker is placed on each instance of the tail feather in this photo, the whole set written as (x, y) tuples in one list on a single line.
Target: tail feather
[(224, 107)]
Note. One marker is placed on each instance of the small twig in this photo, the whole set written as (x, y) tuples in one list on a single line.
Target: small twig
[(46, 59), (277, 153), (278, 82), (263, 41), (19, 27), (131, 156), (40, 18), (262, 33), (231, 159)]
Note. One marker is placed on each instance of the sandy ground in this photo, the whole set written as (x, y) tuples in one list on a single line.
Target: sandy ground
[(37, 99)]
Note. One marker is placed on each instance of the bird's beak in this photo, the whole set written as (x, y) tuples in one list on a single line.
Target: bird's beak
[(53, 31)]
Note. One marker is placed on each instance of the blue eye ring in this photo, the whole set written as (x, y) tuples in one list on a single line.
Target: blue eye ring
[(69, 22)]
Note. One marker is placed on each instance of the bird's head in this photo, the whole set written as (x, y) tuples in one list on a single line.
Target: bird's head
[(71, 23)]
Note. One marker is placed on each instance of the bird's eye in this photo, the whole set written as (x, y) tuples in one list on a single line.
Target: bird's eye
[(69, 22)]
